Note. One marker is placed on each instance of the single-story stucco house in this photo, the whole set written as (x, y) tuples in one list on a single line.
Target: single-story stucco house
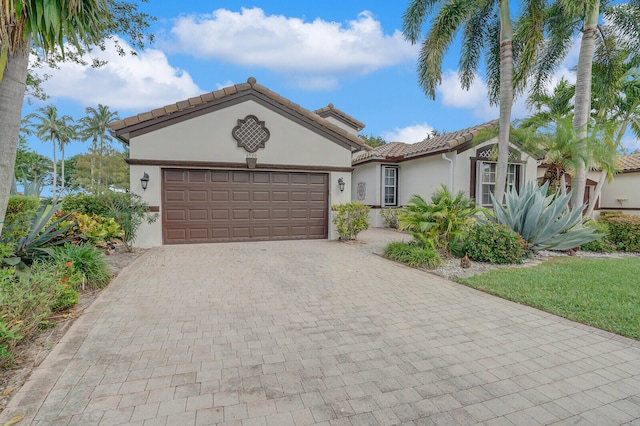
[(389, 175), (623, 192), (239, 164)]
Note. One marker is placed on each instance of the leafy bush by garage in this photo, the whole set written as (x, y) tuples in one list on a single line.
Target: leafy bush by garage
[(496, 243), (350, 219)]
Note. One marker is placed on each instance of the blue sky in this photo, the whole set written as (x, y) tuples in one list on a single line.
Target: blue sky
[(349, 53)]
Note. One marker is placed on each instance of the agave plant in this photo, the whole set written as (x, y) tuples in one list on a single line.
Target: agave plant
[(43, 235), (543, 221)]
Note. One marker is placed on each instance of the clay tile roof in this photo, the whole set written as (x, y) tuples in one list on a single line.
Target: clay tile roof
[(629, 162), (162, 113), (401, 150), (332, 110)]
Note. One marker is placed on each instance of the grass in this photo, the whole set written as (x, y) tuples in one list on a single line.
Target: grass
[(603, 293)]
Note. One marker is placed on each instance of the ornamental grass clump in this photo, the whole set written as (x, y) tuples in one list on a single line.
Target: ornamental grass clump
[(496, 243), (419, 253), (543, 221)]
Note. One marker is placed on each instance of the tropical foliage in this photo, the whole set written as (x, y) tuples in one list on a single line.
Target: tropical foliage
[(542, 220), (445, 218)]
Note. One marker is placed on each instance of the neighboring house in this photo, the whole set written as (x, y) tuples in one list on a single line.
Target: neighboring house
[(387, 176), (239, 164), (623, 193)]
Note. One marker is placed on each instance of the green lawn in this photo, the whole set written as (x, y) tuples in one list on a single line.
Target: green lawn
[(604, 293)]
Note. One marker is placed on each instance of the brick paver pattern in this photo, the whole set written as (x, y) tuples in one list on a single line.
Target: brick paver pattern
[(321, 332)]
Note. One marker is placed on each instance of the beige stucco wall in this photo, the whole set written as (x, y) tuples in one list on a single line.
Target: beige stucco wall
[(421, 177), (208, 139), (623, 191)]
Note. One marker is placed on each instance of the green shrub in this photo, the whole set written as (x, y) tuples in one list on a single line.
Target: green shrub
[(496, 243), (603, 244), (91, 228), (417, 254), (445, 218), (83, 260), (67, 299), (20, 212), (350, 219), (624, 231), (390, 217), (128, 210), (542, 220), (26, 300)]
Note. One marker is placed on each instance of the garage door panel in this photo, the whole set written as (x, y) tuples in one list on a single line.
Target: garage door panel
[(219, 195), (220, 214), (197, 176), (316, 179), (241, 214), (176, 215), (219, 176), (260, 214), (280, 196), (174, 175), (240, 177), (260, 196), (198, 196), (175, 195), (217, 206)]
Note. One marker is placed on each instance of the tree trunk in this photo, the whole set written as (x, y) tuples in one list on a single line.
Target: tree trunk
[(506, 98), (582, 108), (55, 171), (62, 172), (12, 89), (596, 194)]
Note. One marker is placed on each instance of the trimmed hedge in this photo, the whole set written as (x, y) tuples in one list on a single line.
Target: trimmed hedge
[(496, 243), (624, 231)]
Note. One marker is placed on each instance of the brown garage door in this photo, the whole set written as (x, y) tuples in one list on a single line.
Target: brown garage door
[(200, 206)]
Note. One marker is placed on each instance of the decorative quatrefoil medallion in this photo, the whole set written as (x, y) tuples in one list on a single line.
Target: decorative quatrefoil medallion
[(251, 133)]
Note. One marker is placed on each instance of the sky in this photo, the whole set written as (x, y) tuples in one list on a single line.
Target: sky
[(348, 53)]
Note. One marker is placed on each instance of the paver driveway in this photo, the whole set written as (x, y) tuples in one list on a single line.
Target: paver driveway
[(295, 333)]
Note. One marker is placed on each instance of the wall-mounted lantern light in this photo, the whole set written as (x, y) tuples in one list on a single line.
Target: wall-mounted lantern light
[(341, 184), (144, 181)]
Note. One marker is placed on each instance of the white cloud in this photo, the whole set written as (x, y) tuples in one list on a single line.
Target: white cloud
[(285, 44), (227, 83), (409, 134), (476, 99), (140, 82), (630, 144)]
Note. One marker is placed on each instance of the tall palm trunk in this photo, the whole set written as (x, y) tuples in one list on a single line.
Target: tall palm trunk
[(583, 100), (506, 98), (55, 170), (62, 172), (12, 89)]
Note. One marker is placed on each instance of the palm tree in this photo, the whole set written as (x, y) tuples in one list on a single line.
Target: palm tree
[(565, 19), (486, 30), (95, 126), (47, 128), (67, 132), (50, 27)]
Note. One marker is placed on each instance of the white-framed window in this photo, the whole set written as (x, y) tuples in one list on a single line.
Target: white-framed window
[(487, 180), (389, 186)]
